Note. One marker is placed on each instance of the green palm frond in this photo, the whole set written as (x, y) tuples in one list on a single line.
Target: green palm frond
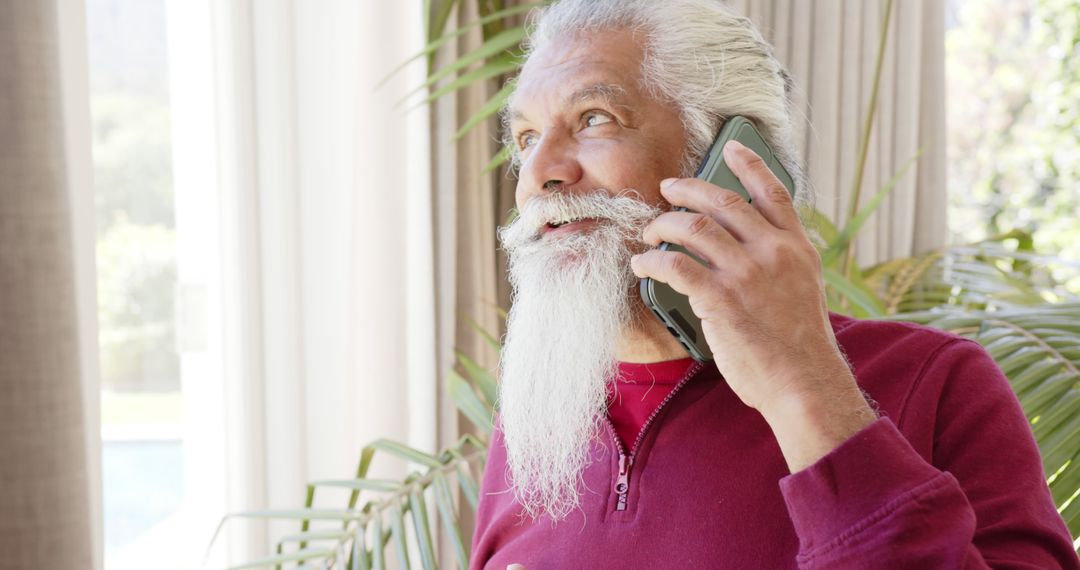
[(486, 111), (851, 295), (494, 67), (439, 36), (983, 276), (505, 44), (357, 537), (501, 157)]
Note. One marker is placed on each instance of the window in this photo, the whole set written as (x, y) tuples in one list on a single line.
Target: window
[(161, 380)]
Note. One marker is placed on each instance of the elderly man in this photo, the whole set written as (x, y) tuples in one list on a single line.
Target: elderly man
[(812, 440)]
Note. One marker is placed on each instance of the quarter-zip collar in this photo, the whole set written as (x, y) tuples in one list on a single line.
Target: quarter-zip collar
[(621, 487)]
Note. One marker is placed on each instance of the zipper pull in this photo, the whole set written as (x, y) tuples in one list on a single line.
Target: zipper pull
[(622, 483)]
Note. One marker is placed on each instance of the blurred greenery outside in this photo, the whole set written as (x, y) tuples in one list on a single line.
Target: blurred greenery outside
[(136, 237), (1013, 112), (136, 248)]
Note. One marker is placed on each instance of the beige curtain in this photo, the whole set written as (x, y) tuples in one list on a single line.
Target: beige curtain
[(469, 206), (830, 48), (44, 507)]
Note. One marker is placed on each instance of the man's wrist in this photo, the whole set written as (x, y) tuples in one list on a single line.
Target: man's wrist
[(809, 426)]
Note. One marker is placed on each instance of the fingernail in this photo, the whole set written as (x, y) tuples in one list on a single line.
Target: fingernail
[(667, 182), (634, 258), (733, 146)]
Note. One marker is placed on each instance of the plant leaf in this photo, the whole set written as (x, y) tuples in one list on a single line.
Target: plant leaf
[(465, 399), (853, 292), (306, 554), (438, 24), (378, 545), (299, 514), (490, 108), (359, 550), (500, 158), (852, 227), (445, 502), (315, 535), (385, 485), (468, 486), (418, 511), (484, 380), (492, 49), (436, 44), (404, 451), (488, 338), (397, 522), (496, 66), (366, 455)]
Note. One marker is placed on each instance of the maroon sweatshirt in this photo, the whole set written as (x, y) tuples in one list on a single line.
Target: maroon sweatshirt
[(948, 477)]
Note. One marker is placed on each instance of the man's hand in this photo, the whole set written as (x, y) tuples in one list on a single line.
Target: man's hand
[(762, 304)]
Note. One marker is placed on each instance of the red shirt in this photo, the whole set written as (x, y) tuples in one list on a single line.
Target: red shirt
[(948, 477), (638, 392)]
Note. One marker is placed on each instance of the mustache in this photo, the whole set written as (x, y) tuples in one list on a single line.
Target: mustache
[(627, 210)]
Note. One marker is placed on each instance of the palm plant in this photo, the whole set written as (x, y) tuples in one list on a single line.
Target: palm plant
[(997, 292), (398, 519)]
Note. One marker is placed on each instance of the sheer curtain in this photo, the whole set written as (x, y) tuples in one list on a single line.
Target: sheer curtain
[(332, 304)]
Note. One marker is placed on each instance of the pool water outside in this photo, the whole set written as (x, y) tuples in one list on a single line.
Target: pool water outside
[(143, 485)]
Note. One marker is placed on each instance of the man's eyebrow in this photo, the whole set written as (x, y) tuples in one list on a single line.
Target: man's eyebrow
[(609, 93)]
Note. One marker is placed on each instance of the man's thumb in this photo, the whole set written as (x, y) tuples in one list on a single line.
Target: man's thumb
[(515, 567)]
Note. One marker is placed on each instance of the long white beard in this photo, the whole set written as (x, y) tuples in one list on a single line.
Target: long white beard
[(572, 299)]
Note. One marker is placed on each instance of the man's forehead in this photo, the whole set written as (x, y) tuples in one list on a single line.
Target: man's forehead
[(581, 67), (612, 93)]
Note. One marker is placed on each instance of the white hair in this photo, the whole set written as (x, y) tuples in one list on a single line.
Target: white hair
[(699, 55), (572, 302)]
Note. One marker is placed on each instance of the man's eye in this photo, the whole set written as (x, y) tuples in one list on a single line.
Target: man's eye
[(526, 140), (595, 118)]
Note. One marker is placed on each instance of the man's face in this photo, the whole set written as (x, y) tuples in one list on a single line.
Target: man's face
[(594, 149), (582, 122)]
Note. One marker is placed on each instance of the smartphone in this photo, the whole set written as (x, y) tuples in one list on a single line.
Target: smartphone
[(670, 306)]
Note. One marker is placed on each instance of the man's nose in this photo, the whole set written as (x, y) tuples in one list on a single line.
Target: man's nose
[(552, 163)]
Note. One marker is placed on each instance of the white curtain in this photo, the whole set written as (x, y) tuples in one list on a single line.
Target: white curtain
[(331, 327)]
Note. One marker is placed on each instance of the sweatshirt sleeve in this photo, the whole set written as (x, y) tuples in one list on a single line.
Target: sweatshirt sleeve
[(981, 501)]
